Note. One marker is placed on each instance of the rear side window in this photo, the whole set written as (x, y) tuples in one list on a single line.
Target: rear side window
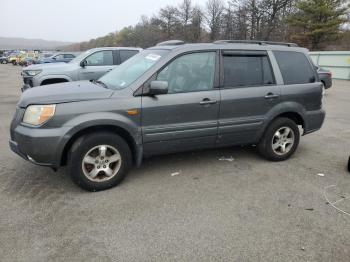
[(241, 70), (295, 67), (68, 56), (126, 54)]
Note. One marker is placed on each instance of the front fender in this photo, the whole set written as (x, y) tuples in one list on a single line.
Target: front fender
[(89, 120)]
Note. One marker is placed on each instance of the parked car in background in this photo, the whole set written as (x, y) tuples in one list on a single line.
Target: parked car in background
[(57, 58), (89, 65), (3, 60), (26, 61), (325, 77), (12, 59), (26, 58), (169, 98)]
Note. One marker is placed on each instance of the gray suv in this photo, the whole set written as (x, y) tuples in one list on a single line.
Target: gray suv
[(89, 65), (169, 98)]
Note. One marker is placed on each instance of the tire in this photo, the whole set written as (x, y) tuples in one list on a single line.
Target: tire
[(272, 143), (89, 174)]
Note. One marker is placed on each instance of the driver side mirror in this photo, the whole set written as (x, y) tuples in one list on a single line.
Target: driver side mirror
[(157, 88), (83, 63)]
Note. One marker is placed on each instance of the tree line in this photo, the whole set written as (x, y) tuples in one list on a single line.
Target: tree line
[(315, 24)]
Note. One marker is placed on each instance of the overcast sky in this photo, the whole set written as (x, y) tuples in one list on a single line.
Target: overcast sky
[(73, 20)]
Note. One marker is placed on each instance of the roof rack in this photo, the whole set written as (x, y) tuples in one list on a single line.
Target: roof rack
[(253, 42), (172, 42)]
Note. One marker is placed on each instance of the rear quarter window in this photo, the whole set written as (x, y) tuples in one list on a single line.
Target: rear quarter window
[(295, 67)]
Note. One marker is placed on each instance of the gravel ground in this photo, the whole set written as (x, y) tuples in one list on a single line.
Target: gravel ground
[(247, 209)]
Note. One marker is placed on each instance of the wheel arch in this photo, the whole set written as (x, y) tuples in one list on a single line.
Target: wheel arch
[(135, 149), (296, 117), (295, 113)]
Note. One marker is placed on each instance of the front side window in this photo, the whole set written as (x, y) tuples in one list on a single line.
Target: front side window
[(189, 73), (247, 70), (128, 72), (295, 67), (100, 58)]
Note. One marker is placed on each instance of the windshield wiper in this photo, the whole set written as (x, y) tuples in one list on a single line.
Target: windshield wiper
[(99, 82)]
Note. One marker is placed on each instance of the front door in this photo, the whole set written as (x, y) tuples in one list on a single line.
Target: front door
[(187, 116), (96, 65), (248, 91)]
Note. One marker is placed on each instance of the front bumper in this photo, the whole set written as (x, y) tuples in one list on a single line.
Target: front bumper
[(41, 146)]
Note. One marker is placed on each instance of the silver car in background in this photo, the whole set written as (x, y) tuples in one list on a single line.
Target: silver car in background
[(89, 65)]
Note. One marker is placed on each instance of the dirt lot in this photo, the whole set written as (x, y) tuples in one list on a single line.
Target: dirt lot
[(247, 209)]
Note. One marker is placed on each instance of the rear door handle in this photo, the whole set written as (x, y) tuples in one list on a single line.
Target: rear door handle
[(207, 101), (271, 96)]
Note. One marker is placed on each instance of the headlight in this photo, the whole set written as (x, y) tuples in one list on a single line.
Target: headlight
[(38, 114), (33, 72)]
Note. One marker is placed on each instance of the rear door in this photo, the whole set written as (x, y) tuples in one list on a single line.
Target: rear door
[(248, 92), (97, 64), (186, 117)]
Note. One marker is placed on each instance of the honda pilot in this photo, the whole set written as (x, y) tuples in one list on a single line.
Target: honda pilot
[(169, 98)]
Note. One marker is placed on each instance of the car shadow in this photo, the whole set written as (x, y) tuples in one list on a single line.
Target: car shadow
[(30, 180)]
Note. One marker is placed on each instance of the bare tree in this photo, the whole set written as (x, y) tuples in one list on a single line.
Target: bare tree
[(168, 17), (213, 15), (196, 28), (184, 14)]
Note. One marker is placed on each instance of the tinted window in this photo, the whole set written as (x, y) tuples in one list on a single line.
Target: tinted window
[(68, 56), (100, 58), (295, 67), (126, 54), (247, 70), (188, 73)]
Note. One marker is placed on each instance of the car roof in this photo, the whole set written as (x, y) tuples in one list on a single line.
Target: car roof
[(254, 45), (115, 48)]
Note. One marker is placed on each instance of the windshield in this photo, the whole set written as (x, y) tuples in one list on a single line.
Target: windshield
[(129, 71)]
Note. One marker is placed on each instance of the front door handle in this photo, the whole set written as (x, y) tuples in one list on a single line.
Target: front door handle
[(207, 101), (271, 96)]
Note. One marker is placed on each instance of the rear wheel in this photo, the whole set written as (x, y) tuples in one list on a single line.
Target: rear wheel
[(280, 140), (99, 161)]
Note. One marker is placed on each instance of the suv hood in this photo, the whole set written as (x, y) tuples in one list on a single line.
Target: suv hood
[(63, 93), (59, 66)]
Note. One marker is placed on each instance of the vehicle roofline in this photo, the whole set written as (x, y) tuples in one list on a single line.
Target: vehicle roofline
[(115, 48), (228, 46)]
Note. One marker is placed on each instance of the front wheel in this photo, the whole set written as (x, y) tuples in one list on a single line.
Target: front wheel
[(99, 161), (280, 140)]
